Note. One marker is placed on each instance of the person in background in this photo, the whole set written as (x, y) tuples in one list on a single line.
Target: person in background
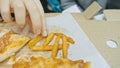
[(30, 11), (82, 4), (46, 6), (113, 4), (51, 6)]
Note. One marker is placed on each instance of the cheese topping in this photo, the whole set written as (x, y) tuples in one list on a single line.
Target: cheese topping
[(41, 62), (10, 40), (4, 41)]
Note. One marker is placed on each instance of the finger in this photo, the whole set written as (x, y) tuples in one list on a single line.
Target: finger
[(5, 10), (26, 30), (11, 6), (28, 20), (44, 28), (0, 7), (0, 12), (34, 16), (20, 12), (11, 3)]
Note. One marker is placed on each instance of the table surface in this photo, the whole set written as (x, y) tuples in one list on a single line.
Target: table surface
[(99, 32)]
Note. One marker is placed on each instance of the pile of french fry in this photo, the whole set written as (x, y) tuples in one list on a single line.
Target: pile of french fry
[(54, 47)]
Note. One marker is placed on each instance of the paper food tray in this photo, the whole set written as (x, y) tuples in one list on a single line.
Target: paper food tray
[(83, 47)]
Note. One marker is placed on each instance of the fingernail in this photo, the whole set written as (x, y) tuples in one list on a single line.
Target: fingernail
[(44, 33)]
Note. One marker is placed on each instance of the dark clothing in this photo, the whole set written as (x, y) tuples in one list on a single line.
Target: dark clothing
[(83, 4), (113, 4), (54, 4), (45, 6)]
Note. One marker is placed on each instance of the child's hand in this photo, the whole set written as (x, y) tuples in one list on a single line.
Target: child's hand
[(26, 11)]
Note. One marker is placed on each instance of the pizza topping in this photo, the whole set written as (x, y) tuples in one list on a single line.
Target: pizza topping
[(41, 62), (4, 41)]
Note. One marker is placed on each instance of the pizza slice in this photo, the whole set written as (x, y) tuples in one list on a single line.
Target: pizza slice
[(10, 43), (41, 62)]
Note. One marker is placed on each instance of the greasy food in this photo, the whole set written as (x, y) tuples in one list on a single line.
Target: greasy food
[(41, 62), (57, 45), (10, 43)]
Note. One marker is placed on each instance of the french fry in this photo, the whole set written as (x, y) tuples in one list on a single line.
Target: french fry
[(37, 48), (65, 47), (87, 65), (69, 39), (46, 48), (59, 34), (55, 47), (34, 41), (49, 47), (48, 39)]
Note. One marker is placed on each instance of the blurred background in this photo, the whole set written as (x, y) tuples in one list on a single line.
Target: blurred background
[(76, 5)]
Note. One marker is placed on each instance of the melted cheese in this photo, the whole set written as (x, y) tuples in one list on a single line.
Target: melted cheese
[(10, 40), (4, 41), (41, 62)]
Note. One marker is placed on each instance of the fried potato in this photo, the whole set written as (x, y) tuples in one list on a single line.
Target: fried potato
[(48, 39), (65, 47), (46, 48), (69, 39), (87, 65), (34, 41), (55, 47), (10, 43)]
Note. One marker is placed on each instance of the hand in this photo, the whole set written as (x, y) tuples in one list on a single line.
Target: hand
[(29, 11)]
